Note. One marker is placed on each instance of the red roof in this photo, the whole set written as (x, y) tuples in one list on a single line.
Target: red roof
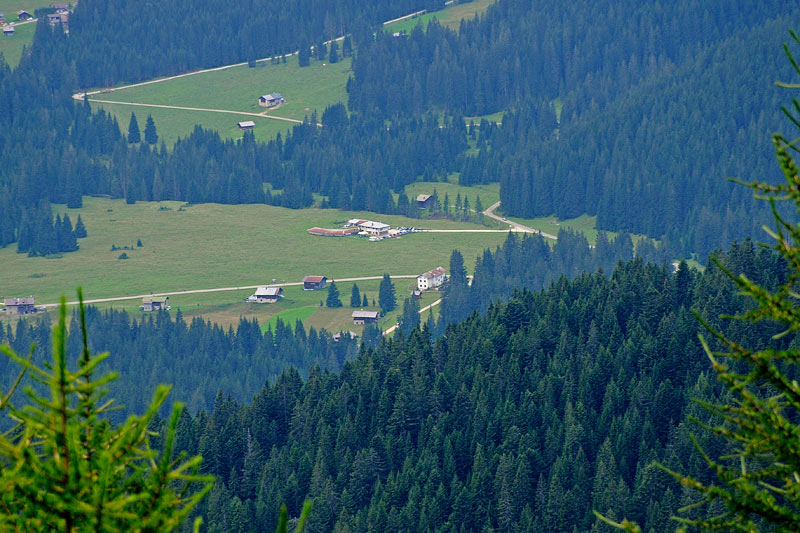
[(313, 279)]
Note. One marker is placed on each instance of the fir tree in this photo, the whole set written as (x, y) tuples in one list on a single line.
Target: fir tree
[(355, 297), (134, 135), (333, 299), (150, 134), (80, 229), (304, 56), (365, 302), (410, 318), (334, 54), (386, 295)]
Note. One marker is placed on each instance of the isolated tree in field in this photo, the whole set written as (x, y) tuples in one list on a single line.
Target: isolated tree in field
[(386, 297), (134, 136), (65, 467), (333, 296), (150, 134), (80, 229), (320, 51), (365, 303), (355, 297), (758, 485)]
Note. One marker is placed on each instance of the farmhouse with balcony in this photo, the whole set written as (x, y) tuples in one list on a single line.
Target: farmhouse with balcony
[(266, 295), (431, 279), (20, 306), (150, 303), (271, 100)]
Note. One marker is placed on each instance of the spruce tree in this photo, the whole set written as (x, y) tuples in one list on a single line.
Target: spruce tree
[(333, 299), (365, 303), (304, 56), (65, 467), (355, 297), (150, 134), (134, 136), (410, 318), (386, 296)]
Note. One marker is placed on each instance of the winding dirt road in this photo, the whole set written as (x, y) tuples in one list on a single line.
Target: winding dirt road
[(515, 226), (219, 289)]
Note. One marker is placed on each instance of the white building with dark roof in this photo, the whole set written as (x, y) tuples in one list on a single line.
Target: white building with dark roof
[(431, 279)]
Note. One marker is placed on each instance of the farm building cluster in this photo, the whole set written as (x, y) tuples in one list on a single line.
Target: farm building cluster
[(20, 306), (375, 231), (59, 17), (271, 100)]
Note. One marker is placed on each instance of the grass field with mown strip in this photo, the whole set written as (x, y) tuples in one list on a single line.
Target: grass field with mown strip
[(213, 245), (583, 224), (237, 89), (174, 123), (450, 16)]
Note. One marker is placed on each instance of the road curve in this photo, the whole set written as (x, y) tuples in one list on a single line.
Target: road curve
[(393, 328), (219, 289), (515, 226)]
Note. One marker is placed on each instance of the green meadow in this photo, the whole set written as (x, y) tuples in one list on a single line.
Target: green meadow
[(450, 16), (174, 123), (306, 90), (12, 45), (489, 193), (212, 245)]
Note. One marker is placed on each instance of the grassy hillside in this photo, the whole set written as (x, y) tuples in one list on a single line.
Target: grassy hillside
[(489, 193), (450, 16), (211, 245), (12, 45), (306, 90), (174, 123)]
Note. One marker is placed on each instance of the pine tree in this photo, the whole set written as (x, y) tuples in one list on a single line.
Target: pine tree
[(410, 318), (365, 303), (355, 297), (134, 135), (333, 300), (386, 296), (150, 134)]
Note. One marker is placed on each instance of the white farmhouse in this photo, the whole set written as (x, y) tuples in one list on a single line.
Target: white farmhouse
[(431, 279)]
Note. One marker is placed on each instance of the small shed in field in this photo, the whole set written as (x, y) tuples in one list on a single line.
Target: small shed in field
[(365, 317), (246, 125), (313, 283), (424, 201), (9, 30), (24, 15)]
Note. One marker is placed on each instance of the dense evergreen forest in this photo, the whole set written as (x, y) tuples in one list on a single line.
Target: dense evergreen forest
[(135, 40), (524, 418), (676, 100)]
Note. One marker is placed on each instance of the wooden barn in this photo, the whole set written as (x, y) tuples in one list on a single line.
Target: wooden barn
[(313, 283), (365, 317)]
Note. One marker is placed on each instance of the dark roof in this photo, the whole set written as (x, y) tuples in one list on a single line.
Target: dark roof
[(18, 301), (365, 314), (313, 279)]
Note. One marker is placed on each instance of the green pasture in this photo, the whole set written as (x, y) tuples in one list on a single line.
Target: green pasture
[(491, 117), (489, 193), (306, 90), (12, 45), (450, 16), (10, 7), (212, 245), (174, 123)]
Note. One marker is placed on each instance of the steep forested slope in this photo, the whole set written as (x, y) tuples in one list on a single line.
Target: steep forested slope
[(523, 419), (661, 104)]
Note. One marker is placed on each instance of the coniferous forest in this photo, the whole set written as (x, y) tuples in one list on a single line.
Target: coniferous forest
[(554, 375)]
